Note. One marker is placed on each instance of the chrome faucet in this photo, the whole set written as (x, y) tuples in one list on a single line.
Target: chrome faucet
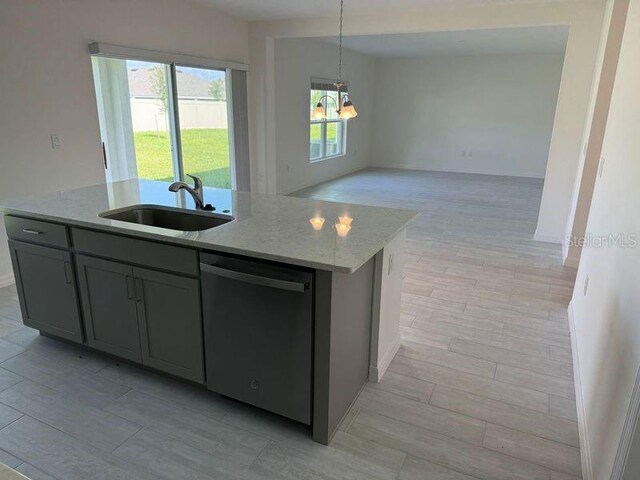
[(196, 191)]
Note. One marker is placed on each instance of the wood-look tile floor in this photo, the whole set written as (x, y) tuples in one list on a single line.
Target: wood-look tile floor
[(481, 388)]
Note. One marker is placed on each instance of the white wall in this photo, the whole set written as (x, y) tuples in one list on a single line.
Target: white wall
[(584, 19), (47, 85), (296, 61), (571, 114), (606, 322), (489, 114), (604, 76)]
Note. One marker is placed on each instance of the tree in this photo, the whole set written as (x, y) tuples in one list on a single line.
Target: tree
[(159, 86), (217, 90), (316, 95)]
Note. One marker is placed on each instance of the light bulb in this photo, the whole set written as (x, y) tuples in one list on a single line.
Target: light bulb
[(348, 111), (318, 112)]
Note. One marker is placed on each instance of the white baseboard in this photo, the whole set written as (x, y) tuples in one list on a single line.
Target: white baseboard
[(6, 280), (471, 170), (376, 372), (565, 252), (585, 450), (545, 237), (313, 183)]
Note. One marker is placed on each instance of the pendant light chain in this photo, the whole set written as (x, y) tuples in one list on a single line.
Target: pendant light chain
[(345, 109), (340, 43)]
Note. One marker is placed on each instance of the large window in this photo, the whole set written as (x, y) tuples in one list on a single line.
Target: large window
[(327, 137), (161, 121)]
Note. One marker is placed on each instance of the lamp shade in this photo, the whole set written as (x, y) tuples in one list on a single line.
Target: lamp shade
[(348, 110), (318, 112)]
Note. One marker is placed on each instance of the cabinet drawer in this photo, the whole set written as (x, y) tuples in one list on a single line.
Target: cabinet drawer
[(135, 251), (36, 231)]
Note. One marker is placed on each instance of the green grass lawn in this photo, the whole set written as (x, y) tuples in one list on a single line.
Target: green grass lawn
[(315, 132), (205, 153)]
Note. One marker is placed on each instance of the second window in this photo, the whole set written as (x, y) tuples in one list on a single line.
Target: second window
[(327, 137)]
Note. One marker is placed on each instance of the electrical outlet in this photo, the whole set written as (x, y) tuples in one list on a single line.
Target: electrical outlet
[(56, 141), (586, 285), (601, 167)]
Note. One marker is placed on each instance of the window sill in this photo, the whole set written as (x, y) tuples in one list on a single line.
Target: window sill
[(317, 160)]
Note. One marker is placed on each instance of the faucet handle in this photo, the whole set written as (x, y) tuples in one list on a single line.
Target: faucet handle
[(196, 180)]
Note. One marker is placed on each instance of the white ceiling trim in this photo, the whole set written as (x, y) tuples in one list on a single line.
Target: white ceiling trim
[(258, 10), (500, 41)]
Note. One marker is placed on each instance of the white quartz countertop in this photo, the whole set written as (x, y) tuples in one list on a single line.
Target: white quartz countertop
[(269, 227)]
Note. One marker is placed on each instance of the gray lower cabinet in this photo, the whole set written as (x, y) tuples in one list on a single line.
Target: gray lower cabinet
[(46, 288), (143, 315), (170, 320), (109, 306)]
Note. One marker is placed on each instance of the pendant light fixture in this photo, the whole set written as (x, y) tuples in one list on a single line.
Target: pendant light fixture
[(345, 108)]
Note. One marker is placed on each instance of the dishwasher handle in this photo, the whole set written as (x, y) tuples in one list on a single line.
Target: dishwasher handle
[(255, 279)]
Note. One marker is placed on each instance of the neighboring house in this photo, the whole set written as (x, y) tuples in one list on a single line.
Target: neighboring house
[(198, 107), (141, 84)]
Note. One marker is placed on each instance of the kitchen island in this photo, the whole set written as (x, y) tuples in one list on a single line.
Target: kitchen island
[(289, 304)]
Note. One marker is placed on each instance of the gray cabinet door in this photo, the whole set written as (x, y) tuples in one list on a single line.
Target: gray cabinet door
[(169, 314), (108, 303), (46, 288)]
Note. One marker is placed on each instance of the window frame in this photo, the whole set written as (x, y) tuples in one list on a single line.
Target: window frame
[(323, 131), (175, 128), (170, 63)]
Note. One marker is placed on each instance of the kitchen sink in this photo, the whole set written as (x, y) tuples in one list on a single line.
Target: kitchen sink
[(168, 217)]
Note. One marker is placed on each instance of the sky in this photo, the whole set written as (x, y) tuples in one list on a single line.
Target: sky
[(198, 72)]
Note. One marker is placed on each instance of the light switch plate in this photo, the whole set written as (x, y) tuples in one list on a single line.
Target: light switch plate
[(56, 141)]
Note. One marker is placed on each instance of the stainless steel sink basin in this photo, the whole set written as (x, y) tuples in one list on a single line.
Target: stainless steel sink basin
[(167, 217)]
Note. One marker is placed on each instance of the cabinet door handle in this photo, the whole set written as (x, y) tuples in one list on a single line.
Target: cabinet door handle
[(31, 232), (129, 281), (139, 290), (68, 275)]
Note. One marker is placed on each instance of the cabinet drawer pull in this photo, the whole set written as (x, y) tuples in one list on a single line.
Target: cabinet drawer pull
[(139, 290), (68, 275), (31, 232)]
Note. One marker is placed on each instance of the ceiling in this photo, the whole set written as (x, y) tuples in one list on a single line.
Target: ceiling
[(550, 39), (284, 9)]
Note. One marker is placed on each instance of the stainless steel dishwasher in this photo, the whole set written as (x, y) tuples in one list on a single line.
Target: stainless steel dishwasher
[(258, 333)]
